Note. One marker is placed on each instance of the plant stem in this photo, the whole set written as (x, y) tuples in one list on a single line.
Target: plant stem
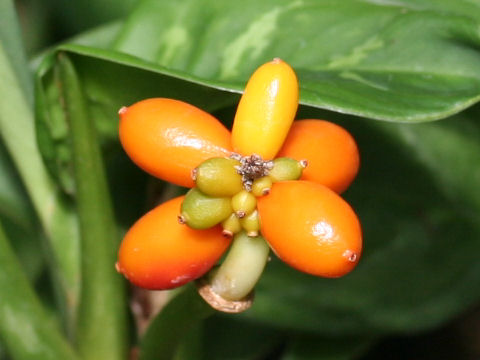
[(167, 330), (101, 323), (241, 269), (25, 328)]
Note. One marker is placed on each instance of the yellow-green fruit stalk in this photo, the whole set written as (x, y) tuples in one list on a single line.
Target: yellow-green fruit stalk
[(242, 267)]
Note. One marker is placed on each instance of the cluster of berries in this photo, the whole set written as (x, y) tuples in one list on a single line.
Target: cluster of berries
[(227, 189), (271, 183)]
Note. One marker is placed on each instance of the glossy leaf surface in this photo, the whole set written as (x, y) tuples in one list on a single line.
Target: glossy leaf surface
[(402, 61)]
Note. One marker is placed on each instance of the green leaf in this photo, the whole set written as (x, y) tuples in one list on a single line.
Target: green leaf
[(76, 16), (417, 199), (26, 330), (14, 202), (164, 334), (101, 324), (17, 134), (312, 348), (11, 43), (403, 61), (27, 243), (229, 337)]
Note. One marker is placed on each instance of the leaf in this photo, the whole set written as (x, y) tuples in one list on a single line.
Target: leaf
[(417, 199), (182, 313), (17, 134), (309, 347), (405, 61), (228, 337), (11, 43), (14, 203), (25, 328), (76, 16), (27, 243)]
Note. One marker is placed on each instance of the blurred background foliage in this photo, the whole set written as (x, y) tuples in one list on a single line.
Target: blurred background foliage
[(416, 290)]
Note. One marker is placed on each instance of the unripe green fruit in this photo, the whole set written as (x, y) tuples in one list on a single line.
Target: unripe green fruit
[(286, 169), (251, 223), (243, 203), (231, 225), (262, 186), (218, 177), (200, 211)]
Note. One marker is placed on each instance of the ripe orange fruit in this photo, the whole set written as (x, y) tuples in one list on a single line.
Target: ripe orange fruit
[(330, 150), (169, 138), (159, 253), (311, 228)]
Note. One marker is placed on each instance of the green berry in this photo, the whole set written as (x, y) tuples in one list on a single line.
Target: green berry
[(286, 169), (243, 203), (251, 223), (231, 225), (262, 186), (218, 177), (200, 211)]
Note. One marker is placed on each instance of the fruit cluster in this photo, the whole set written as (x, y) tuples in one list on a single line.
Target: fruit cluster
[(270, 183), (227, 189)]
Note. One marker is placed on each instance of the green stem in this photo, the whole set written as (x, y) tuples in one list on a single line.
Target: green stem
[(26, 330), (174, 321), (57, 218), (241, 269), (101, 323)]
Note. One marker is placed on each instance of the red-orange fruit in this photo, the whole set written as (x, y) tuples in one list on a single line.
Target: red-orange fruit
[(330, 150), (159, 253), (311, 228), (169, 138)]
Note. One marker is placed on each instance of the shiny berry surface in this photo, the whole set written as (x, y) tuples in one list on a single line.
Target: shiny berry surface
[(311, 228)]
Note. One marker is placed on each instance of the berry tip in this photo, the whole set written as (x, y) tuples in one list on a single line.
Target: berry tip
[(122, 110)]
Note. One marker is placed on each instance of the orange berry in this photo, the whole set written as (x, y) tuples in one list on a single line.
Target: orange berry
[(159, 253), (169, 138), (330, 150), (311, 228)]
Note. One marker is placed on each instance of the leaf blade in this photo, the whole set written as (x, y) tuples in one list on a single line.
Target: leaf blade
[(26, 330)]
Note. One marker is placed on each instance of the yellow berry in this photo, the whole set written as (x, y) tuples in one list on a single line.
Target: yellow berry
[(266, 110), (251, 223), (262, 186), (243, 203), (231, 225)]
